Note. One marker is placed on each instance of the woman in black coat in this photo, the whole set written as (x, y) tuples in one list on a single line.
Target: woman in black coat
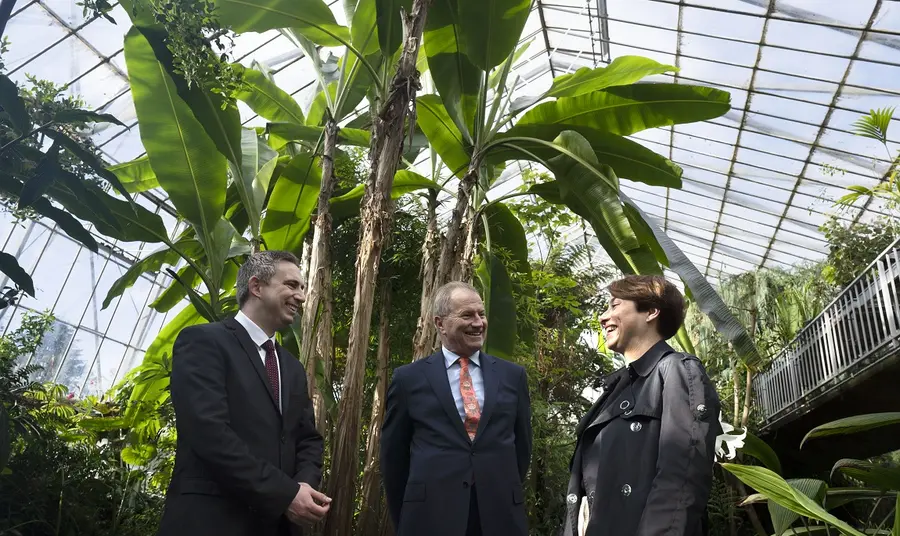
[(645, 451)]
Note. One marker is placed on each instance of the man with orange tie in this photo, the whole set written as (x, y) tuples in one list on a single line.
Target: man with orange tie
[(456, 440)]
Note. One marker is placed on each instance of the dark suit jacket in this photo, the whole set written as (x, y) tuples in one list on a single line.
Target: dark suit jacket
[(238, 459), (429, 464)]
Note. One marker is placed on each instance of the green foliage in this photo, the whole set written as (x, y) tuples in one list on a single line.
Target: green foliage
[(851, 248), (62, 479), (875, 125)]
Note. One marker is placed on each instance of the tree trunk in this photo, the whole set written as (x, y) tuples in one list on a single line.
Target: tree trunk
[(324, 352), (463, 270), (423, 341), (748, 400), (375, 216), (317, 318), (453, 243), (369, 512)]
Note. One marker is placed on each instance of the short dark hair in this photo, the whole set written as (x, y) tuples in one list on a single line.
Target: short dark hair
[(653, 292), (261, 265)]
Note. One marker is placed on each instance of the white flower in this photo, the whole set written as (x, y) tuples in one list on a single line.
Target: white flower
[(727, 444)]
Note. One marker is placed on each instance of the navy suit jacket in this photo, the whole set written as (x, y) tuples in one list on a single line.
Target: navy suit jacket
[(429, 464)]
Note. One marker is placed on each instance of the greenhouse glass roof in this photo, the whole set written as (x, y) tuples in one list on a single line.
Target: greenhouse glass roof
[(758, 182)]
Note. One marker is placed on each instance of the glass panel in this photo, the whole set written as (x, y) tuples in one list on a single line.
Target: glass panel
[(96, 317), (132, 304), (79, 360), (133, 358), (103, 373), (78, 289), (35, 238), (52, 270), (52, 350)]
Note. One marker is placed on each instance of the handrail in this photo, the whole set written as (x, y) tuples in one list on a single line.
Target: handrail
[(857, 329)]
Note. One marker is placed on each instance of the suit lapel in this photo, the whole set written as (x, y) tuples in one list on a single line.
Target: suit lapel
[(253, 355), (491, 378), (436, 372), (285, 383)]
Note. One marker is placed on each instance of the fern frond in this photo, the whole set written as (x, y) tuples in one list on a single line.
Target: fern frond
[(875, 125)]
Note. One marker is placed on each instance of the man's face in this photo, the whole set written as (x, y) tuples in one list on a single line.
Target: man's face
[(623, 324), (463, 330), (282, 295)]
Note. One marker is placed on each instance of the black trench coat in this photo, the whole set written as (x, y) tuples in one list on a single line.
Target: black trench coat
[(650, 448)]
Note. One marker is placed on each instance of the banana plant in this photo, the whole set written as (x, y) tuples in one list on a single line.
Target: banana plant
[(476, 125)]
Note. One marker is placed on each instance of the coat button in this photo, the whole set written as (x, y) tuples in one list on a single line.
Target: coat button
[(624, 404), (701, 409), (572, 498), (626, 490), (465, 485), (636, 427)]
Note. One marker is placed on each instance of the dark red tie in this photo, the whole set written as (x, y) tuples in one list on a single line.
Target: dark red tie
[(272, 367), (470, 399)]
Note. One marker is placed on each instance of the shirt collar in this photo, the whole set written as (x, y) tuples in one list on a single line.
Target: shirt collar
[(651, 357), (451, 357), (257, 335)]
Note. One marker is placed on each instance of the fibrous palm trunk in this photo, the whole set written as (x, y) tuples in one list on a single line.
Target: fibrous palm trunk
[(376, 216), (369, 511), (423, 343), (317, 317)]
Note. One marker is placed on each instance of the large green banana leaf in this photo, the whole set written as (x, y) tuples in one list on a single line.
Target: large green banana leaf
[(281, 133), (137, 175), (268, 100), (312, 18), (151, 263), (405, 181), (624, 110), (455, 78), (390, 24), (623, 71), (356, 84), (630, 160), (445, 138), (252, 183), (187, 163), (490, 30), (499, 304), (291, 204), (221, 121), (364, 28), (598, 196), (175, 293), (708, 300), (506, 231), (134, 222), (872, 475)]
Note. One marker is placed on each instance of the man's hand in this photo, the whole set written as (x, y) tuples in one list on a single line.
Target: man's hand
[(308, 506)]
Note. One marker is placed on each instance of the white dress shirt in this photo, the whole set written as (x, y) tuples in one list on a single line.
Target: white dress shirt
[(451, 360), (259, 337)]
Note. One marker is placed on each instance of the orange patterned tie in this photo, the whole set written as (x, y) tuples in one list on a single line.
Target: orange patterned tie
[(470, 401)]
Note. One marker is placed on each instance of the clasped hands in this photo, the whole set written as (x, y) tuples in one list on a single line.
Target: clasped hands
[(308, 506)]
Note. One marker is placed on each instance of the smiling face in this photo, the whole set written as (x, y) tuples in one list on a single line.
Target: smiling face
[(280, 298), (625, 328), (464, 328)]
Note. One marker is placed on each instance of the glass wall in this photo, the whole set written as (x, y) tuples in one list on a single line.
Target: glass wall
[(89, 347)]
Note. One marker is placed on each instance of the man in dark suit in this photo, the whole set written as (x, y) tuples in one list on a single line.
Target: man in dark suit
[(456, 440), (248, 458)]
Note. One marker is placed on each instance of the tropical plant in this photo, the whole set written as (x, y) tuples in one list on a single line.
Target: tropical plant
[(810, 501), (875, 126), (47, 162)]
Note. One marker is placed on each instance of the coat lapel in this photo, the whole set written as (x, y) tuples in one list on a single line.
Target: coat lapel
[(491, 384), (436, 372), (253, 355), (285, 384)]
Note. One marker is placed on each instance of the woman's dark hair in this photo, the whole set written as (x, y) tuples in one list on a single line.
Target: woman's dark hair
[(653, 292)]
